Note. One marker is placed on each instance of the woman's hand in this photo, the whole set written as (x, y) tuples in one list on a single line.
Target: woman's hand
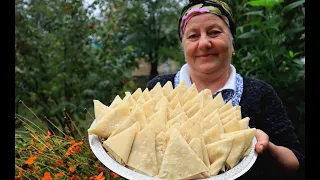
[(284, 156), (262, 141)]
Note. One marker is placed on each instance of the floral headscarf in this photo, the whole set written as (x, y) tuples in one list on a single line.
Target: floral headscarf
[(216, 7)]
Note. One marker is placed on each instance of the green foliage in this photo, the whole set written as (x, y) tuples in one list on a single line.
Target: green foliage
[(264, 3), (57, 66), (270, 46), (149, 28)]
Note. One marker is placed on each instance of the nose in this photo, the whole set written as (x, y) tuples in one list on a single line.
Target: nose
[(204, 43)]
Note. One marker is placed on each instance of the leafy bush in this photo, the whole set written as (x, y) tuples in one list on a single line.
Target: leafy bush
[(270, 46), (65, 58)]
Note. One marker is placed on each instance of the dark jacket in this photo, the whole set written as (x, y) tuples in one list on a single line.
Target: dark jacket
[(262, 105)]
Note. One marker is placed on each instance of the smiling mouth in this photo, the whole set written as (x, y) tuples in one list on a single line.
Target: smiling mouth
[(205, 58), (205, 55)]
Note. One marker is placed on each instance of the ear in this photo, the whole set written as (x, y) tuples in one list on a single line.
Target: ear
[(232, 50)]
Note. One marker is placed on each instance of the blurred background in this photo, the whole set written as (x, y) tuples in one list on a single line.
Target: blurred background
[(69, 52)]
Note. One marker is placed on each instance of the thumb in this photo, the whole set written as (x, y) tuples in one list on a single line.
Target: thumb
[(262, 141)]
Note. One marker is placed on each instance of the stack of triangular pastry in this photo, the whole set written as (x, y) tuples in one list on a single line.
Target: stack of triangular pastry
[(173, 133)]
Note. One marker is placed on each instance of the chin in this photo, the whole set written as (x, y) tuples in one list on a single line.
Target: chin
[(207, 67)]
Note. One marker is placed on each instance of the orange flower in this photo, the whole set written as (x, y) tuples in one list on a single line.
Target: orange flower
[(40, 149), (75, 148), (71, 169), (49, 146), (67, 153), (59, 175), (114, 175), (20, 172), (49, 135), (72, 142), (31, 160), (36, 138), (67, 137), (46, 176), (19, 175), (99, 177), (59, 162)]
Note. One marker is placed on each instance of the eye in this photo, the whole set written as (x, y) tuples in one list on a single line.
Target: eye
[(214, 33), (192, 36)]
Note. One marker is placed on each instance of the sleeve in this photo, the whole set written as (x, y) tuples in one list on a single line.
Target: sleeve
[(163, 79), (152, 83), (280, 128)]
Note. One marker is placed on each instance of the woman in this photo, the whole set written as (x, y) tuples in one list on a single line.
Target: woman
[(207, 30)]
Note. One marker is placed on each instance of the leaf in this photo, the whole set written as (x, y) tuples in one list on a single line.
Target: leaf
[(260, 13), (104, 84), (293, 5), (249, 34), (297, 53), (249, 57), (89, 92), (252, 23), (296, 30), (265, 3), (19, 70), (298, 62), (291, 54), (256, 3), (273, 25), (33, 96)]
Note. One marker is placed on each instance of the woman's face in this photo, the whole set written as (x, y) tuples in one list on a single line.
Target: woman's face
[(207, 44)]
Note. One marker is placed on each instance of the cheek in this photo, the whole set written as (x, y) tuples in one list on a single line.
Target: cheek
[(224, 48), (190, 49)]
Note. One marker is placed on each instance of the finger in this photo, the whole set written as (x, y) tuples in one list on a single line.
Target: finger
[(262, 141), (259, 148)]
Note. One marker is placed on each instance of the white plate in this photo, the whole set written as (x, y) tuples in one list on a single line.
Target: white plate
[(101, 154)]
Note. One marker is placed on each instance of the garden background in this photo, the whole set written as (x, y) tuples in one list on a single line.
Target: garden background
[(69, 52)]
